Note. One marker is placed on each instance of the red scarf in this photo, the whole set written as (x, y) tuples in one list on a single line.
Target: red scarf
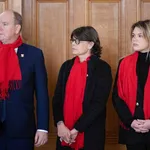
[(10, 74), (127, 84), (74, 96)]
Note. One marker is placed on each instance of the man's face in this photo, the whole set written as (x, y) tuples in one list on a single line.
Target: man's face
[(8, 29)]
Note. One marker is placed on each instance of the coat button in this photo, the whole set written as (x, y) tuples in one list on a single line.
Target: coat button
[(137, 104)]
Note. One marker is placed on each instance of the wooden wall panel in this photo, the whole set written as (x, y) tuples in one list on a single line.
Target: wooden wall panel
[(2, 6), (52, 38), (78, 15), (129, 14), (15, 5), (104, 17), (29, 22), (105, 1), (48, 24), (145, 10), (55, 1)]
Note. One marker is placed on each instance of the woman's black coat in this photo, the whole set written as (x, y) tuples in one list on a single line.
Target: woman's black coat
[(98, 85)]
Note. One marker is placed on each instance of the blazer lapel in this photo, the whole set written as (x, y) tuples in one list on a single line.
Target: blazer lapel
[(22, 53), (90, 82)]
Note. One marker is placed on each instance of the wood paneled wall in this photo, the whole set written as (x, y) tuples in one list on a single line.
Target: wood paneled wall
[(48, 24)]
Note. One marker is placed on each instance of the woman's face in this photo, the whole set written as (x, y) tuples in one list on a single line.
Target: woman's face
[(81, 48), (139, 43)]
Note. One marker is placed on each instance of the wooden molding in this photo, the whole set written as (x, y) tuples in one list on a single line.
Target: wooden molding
[(111, 138), (105, 1), (145, 0), (15, 5), (53, 1)]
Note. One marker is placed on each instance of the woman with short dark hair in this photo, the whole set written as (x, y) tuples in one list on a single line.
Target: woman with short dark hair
[(82, 90)]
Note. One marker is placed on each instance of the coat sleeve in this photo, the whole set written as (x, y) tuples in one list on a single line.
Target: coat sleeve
[(120, 106), (58, 98), (99, 100), (41, 91)]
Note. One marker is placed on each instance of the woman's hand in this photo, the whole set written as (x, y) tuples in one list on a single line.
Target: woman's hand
[(73, 136), (63, 132), (138, 126), (145, 123)]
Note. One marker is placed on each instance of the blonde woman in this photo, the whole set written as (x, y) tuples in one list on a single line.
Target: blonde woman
[(131, 93)]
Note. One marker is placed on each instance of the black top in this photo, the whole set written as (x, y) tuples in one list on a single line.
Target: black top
[(142, 73), (122, 109)]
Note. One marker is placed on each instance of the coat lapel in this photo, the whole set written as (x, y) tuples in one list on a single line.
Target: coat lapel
[(22, 53), (90, 82)]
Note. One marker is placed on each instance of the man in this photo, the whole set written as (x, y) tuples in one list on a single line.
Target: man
[(22, 71)]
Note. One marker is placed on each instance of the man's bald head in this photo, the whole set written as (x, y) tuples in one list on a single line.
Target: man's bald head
[(10, 26), (15, 15)]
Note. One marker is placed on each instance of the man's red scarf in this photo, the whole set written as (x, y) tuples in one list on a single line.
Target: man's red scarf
[(74, 96), (10, 74), (127, 84)]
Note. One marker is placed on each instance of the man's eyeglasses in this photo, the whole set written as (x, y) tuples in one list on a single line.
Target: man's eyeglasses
[(77, 41)]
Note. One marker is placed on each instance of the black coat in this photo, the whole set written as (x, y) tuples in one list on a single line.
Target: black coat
[(130, 136), (98, 85)]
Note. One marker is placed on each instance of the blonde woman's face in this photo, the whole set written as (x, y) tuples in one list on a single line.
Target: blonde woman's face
[(139, 43)]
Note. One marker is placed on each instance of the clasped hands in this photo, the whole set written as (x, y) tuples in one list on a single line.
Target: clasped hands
[(141, 126), (65, 134)]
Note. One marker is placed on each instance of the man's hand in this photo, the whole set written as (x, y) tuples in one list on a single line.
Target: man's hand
[(40, 138)]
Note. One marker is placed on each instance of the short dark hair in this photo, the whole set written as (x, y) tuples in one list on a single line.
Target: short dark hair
[(88, 33), (17, 18)]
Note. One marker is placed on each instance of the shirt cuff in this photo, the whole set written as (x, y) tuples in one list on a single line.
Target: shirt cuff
[(42, 130)]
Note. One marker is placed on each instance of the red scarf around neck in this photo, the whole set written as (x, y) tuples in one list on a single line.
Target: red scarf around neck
[(127, 84), (74, 96), (10, 74)]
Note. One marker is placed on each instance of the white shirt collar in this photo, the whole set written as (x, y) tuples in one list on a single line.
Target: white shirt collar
[(16, 49)]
